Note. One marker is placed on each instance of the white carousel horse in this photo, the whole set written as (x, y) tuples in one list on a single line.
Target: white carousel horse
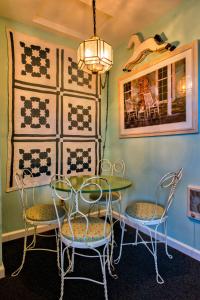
[(143, 48)]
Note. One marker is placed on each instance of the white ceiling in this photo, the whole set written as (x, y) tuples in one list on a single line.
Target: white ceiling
[(116, 19)]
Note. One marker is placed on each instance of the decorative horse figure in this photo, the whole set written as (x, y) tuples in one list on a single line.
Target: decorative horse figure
[(143, 48)]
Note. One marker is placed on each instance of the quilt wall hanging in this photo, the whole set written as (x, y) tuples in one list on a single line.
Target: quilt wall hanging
[(54, 112)]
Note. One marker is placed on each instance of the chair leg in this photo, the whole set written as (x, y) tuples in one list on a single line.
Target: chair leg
[(33, 242), (136, 236), (15, 273), (62, 251), (90, 209), (99, 210), (166, 245), (154, 243), (72, 260), (57, 249), (120, 213), (117, 260), (109, 261), (103, 267), (70, 266)]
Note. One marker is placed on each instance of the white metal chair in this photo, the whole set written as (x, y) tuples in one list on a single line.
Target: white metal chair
[(152, 105), (150, 215), (35, 214), (115, 169), (82, 231), (118, 169), (131, 109)]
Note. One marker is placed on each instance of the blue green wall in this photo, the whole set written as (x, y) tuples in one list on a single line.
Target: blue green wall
[(148, 158)]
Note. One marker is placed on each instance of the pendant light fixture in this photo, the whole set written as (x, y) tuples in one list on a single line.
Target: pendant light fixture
[(94, 54)]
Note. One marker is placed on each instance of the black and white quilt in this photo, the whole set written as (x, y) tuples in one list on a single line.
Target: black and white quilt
[(54, 112)]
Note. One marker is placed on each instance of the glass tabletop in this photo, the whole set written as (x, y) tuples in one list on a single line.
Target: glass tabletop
[(116, 184)]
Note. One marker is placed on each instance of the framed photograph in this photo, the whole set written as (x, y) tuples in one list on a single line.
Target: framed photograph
[(193, 202), (161, 98)]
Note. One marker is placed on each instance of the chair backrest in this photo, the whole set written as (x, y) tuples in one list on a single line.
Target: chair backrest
[(105, 167), (58, 183), (129, 107), (118, 168), (27, 195), (149, 101), (168, 184), (76, 196)]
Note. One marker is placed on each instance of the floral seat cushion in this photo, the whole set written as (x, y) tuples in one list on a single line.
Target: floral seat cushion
[(114, 196), (95, 230), (44, 212), (145, 210)]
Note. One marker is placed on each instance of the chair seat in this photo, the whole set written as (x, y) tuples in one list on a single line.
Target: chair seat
[(114, 196), (95, 230), (44, 213), (145, 210)]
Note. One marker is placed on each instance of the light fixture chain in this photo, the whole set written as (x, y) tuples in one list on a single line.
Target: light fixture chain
[(106, 118), (94, 15), (103, 84)]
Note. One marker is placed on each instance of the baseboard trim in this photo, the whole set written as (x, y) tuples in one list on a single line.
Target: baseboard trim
[(184, 248), (17, 234), (2, 271)]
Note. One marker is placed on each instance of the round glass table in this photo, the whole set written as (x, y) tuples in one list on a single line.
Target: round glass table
[(116, 184)]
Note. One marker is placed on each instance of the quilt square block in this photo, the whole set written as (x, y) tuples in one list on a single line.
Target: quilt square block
[(79, 157), (34, 60), (35, 113), (79, 116), (76, 79), (39, 158)]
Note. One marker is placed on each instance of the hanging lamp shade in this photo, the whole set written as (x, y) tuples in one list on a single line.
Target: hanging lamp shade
[(94, 54)]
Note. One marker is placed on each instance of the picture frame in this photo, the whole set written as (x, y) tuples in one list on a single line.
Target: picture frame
[(193, 202), (161, 97)]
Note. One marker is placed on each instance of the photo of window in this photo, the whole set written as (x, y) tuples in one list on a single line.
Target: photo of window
[(161, 99)]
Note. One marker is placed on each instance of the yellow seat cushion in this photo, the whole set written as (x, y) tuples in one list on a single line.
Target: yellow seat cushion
[(44, 212), (114, 196), (145, 210), (95, 230)]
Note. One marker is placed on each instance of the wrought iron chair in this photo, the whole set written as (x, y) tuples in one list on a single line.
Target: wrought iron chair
[(105, 168), (118, 169), (35, 214), (82, 231), (150, 215), (115, 169)]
